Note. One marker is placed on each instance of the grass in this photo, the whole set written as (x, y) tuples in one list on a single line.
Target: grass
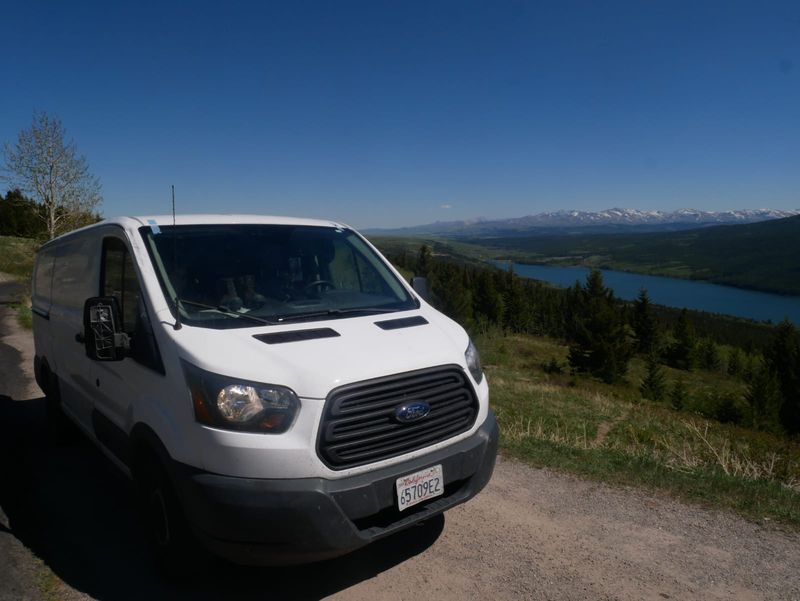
[(17, 256), (50, 586), (24, 315), (608, 432)]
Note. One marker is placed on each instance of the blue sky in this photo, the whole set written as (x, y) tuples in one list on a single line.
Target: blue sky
[(386, 114)]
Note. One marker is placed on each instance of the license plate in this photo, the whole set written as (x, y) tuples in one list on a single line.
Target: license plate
[(419, 486)]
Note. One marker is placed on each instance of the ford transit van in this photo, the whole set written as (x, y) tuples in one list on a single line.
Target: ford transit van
[(273, 386)]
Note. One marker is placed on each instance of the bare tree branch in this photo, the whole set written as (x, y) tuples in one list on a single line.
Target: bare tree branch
[(50, 170)]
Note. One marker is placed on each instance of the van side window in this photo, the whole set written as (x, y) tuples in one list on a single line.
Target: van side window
[(119, 280)]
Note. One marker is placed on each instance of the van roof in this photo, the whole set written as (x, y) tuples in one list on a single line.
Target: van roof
[(135, 222), (208, 219)]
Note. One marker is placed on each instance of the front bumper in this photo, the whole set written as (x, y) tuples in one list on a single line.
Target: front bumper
[(274, 522)]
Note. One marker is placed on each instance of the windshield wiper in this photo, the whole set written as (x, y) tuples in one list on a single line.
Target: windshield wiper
[(333, 312), (224, 310)]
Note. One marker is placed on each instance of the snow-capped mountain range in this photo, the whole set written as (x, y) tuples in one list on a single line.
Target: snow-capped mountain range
[(609, 220), (618, 216)]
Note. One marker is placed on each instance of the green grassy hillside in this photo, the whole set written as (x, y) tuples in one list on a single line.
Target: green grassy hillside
[(762, 256), (608, 432)]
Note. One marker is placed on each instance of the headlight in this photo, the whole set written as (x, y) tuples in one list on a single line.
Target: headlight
[(233, 404), (474, 362)]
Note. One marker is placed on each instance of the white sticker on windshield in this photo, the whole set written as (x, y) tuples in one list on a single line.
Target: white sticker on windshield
[(154, 226)]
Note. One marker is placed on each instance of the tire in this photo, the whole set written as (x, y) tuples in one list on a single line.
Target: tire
[(165, 526), (60, 428)]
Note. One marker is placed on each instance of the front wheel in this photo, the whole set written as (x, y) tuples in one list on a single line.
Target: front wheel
[(166, 528)]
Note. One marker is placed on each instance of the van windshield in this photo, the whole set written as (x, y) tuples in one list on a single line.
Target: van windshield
[(223, 276)]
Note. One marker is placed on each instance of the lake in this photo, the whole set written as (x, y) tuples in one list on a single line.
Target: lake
[(672, 292)]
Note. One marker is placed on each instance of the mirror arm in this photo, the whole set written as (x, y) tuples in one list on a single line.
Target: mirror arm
[(420, 285)]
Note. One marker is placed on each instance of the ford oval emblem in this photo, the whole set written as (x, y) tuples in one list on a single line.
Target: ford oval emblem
[(411, 411)]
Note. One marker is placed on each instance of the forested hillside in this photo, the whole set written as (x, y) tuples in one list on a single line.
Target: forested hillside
[(762, 256), (603, 334)]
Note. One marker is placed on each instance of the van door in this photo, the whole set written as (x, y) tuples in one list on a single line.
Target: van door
[(75, 279), (120, 384)]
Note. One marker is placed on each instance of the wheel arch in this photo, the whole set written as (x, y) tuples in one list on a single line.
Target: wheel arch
[(145, 442)]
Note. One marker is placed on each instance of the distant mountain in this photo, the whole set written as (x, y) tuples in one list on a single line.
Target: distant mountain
[(608, 221)]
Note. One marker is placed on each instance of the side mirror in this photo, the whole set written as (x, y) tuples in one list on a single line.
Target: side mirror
[(102, 327), (420, 286)]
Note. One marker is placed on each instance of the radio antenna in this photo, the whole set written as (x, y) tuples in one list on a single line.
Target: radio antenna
[(178, 324)]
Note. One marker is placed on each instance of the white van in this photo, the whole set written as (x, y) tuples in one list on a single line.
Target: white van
[(272, 385)]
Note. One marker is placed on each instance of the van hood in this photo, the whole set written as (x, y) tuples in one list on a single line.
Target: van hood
[(313, 363)]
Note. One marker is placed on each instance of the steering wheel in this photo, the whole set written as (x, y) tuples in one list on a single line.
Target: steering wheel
[(320, 285)]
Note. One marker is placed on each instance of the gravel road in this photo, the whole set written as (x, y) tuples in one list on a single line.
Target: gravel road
[(68, 531)]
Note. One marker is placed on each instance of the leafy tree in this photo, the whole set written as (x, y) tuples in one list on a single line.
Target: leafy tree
[(644, 324), (598, 333), (681, 353), (48, 168), (653, 385)]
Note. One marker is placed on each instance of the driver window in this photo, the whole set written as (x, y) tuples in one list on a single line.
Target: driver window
[(119, 280)]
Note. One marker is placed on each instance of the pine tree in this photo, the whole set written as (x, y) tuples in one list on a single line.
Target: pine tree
[(598, 333), (455, 298), (489, 304), (514, 301), (734, 362), (653, 385), (782, 356), (644, 324), (682, 352), (764, 398), (708, 355), (425, 261), (678, 395), (749, 367)]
